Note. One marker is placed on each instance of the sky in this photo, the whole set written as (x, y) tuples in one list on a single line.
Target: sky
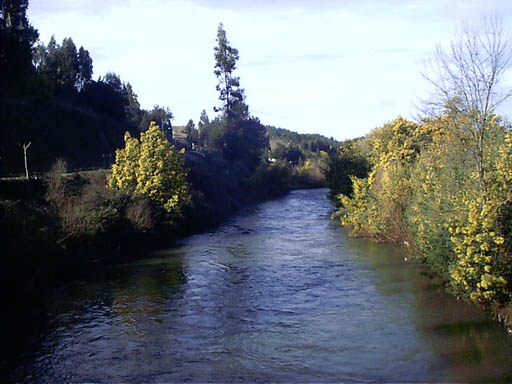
[(339, 68)]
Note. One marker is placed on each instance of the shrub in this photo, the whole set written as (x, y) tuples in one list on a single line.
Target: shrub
[(151, 168), (139, 214)]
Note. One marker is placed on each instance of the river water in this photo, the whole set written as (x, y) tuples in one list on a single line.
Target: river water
[(279, 293)]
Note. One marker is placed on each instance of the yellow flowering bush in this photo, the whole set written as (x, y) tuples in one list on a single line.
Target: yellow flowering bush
[(376, 208), (152, 168), (426, 189), (478, 246), (360, 213)]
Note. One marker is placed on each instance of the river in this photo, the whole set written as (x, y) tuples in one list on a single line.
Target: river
[(278, 293)]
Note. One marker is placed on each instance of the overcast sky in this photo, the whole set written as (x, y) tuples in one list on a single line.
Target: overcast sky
[(338, 68)]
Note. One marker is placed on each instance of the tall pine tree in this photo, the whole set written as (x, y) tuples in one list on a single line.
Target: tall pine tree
[(231, 95), (244, 138)]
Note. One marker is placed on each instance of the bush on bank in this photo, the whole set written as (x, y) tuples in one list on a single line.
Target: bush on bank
[(424, 191)]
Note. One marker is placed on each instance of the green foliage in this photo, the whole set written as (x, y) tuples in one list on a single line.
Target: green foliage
[(293, 155), (311, 174), (17, 38), (230, 93), (271, 180), (307, 155), (309, 144), (341, 167), (64, 65), (204, 128), (54, 91), (240, 138), (192, 135), (159, 115), (84, 75), (376, 209), (243, 141)]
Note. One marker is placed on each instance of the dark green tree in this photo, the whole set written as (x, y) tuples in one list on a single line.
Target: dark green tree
[(192, 135), (47, 60), (133, 111), (17, 37), (204, 129), (68, 68), (243, 139), (292, 155), (162, 116), (84, 69), (246, 144), (106, 98), (114, 81), (341, 167), (231, 95)]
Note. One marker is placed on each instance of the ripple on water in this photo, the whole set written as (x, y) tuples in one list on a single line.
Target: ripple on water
[(277, 294)]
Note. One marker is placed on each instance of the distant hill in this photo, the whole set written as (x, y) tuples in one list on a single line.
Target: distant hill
[(306, 142)]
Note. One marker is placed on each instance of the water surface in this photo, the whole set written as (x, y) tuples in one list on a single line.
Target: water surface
[(278, 293)]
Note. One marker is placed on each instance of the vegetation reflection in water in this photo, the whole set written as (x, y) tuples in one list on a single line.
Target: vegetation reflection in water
[(279, 293), (460, 336)]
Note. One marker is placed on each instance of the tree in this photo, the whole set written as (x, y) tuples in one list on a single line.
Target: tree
[(242, 138), (133, 110), (204, 128), (292, 154), (150, 167), (25, 147), (104, 98), (84, 69), (68, 65), (46, 59), (231, 95), (114, 81), (466, 80), (246, 144), (161, 116), (192, 134), (63, 65), (204, 120), (341, 168), (17, 38)]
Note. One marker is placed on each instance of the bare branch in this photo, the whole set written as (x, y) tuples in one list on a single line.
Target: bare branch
[(467, 79)]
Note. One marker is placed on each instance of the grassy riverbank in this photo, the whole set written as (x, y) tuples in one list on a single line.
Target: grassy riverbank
[(81, 222)]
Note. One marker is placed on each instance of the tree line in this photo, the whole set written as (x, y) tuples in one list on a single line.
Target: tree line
[(48, 97)]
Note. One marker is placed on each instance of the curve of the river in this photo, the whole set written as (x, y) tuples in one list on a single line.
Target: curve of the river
[(279, 293)]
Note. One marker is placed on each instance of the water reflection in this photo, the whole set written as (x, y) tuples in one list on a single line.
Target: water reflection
[(149, 291), (466, 343), (279, 293), (102, 321)]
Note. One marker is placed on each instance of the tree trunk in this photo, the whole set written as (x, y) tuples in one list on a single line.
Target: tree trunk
[(25, 147)]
